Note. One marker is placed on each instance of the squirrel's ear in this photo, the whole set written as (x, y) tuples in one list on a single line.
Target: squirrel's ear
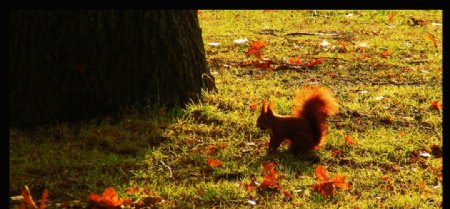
[(270, 108), (263, 107)]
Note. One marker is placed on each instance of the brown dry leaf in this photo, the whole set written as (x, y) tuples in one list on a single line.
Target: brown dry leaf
[(432, 38)]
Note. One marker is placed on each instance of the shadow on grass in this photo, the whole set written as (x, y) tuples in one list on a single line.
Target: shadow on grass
[(74, 159)]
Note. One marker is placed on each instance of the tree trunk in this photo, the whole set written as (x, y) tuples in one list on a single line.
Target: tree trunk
[(70, 65)]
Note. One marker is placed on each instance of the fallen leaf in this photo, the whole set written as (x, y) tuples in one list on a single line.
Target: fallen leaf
[(215, 163), (315, 62), (321, 173), (255, 48), (343, 47), (432, 38), (288, 195), (270, 177), (391, 17), (386, 53), (295, 61), (43, 199), (28, 199), (109, 198), (436, 105), (253, 106), (349, 140), (326, 187)]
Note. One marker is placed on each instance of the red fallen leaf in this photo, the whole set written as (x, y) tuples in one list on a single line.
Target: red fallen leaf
[(391, 17), (327, 187), (43, 199), (315, 62), (339, 182), (386, 53), (263, 64), (336, 153), (215, 163), (270, 177), (109, 198), (349, 140), (211, 149), (343, 46), (128, 191), (322, 173), (364, 56), (200, 191), (388, 182), (250, 186), (27, 198), (436, 105), (255, 48), (288, 195), (136, 190), (253, 106), (295, 61), (128, 201)]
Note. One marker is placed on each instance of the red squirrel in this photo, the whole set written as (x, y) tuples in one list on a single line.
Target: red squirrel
[(307, 126)]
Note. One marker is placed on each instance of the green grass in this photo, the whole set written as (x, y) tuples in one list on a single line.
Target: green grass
[(385, 107)]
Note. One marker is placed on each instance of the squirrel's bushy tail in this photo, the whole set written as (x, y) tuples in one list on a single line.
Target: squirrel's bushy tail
[(315, 104)]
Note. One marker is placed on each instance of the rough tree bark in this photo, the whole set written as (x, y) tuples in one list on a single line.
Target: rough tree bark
[(70, 65)]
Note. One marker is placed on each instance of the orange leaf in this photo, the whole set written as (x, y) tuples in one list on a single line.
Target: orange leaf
[(391, 17), (215, 163), (109, 198), (315, 62), (339, 182), (28, 199), (43, 199), (222, 145), (254, 106), (386, 53), (270, 177), (211, 149), (295, 61), (200, 191), (436, 105), (322, 173), (288, 195), (343, 46), (255, 48), (325, 188), (349, 140)]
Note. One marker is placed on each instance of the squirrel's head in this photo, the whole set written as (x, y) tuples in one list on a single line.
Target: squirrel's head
[(266, 117)]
